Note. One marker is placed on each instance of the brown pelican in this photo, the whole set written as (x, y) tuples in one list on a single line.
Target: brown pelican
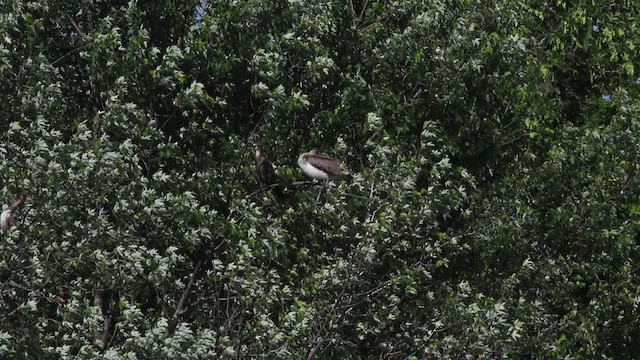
[(318, 165), (265, 171)]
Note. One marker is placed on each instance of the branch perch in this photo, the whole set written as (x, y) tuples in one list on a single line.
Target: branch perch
[(269, 187)]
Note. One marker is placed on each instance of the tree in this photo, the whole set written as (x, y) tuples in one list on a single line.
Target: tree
[(492, 211)]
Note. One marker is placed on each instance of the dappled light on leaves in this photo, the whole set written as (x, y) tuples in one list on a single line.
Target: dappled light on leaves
[(473, 193)]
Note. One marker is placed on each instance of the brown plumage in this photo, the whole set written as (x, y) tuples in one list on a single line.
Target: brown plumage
[(7, 220), (265, 171), (318, 165)]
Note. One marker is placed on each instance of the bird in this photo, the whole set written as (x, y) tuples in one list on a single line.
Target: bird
[(318, 165), (6, 218), (265, 171)]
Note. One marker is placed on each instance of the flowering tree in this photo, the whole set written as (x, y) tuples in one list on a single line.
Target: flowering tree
[(493, 209)]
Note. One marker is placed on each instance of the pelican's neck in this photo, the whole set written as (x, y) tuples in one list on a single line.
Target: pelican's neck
[(302, 159), (259, 153), (311, 170), (5, 218)]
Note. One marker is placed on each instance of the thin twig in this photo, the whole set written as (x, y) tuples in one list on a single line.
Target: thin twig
[(269, 187), (239, 165), (75, 26), (180, 308), (69, 53), (360, 18)]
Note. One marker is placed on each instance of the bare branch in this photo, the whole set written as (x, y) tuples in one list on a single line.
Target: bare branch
[(361, 17), (269, 187), (180, 309), (75, 26), (100, 300)]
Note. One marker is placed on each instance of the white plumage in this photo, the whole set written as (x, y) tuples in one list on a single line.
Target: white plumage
[(320, 166)]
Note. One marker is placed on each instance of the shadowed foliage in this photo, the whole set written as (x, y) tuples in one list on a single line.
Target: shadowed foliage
[(493, 210)]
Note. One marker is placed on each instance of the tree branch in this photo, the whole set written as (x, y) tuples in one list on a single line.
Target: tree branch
[(361, 17), (100, 300), (75, 26), (180, 309), (269, 187)]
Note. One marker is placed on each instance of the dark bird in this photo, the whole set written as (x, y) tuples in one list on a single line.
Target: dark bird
[(266, 173), (7, 220), (318, 165)]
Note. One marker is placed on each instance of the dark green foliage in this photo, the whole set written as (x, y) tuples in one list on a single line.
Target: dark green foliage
[(493, 210)]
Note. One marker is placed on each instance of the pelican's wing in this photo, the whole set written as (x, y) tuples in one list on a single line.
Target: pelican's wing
[(265, 172), (325, 163)]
